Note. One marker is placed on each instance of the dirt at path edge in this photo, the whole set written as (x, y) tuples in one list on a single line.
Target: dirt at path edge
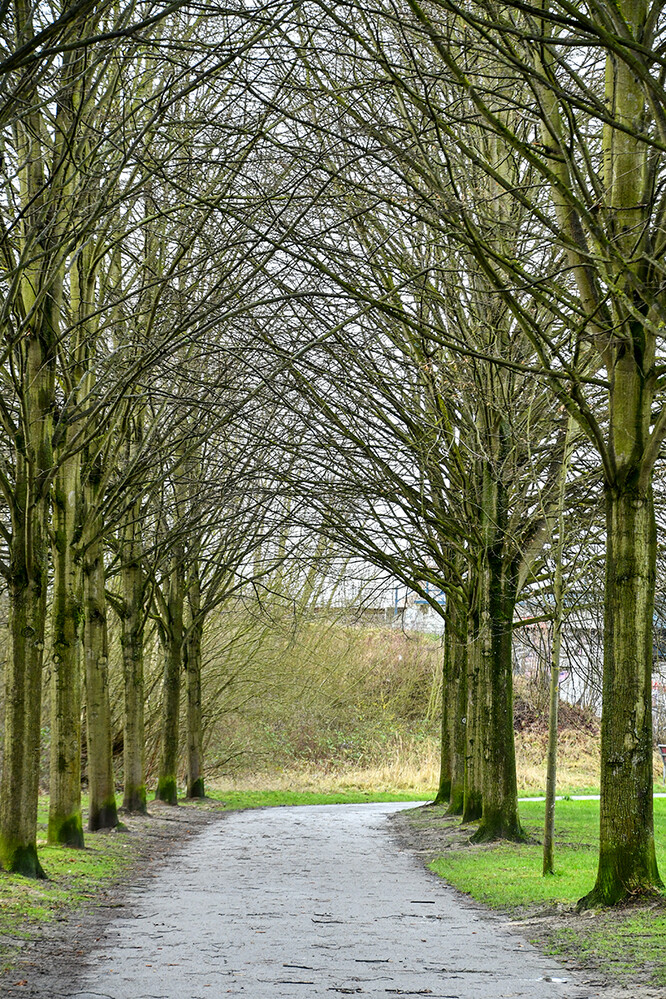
[(45, 966)]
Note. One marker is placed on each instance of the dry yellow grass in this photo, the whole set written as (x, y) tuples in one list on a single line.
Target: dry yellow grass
[(414, 767)]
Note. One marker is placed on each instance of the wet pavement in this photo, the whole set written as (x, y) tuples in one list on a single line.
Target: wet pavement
[(311, 901)]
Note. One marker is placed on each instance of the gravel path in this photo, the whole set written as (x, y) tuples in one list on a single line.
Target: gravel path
[(316, 901)]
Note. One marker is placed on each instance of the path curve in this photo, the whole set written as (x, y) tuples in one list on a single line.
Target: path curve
[(310, 902)]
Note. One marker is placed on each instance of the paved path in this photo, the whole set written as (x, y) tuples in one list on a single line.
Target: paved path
[(310, 902)]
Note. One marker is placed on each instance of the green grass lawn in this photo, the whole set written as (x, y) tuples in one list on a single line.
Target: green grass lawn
[(509, 874), (263, 799), (627, 943)]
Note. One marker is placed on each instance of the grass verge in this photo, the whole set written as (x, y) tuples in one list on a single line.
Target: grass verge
[(268, 798), (626, 944)]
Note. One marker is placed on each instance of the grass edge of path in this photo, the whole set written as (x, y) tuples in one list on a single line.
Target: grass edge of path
[(625, 945)]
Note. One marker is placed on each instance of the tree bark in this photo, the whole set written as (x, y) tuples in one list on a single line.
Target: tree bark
[(65, 821), (499, 818), (132, 622), (459, 708), (473, 796), (551, 765), (22, 689), (627, 862), (192, 660), (28, 582), (101, 784), (167, 782), (448, 705)]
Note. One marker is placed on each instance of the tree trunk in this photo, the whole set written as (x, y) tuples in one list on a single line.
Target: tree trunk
[(101, 785), (29, 564), (134, 793), (473, 796), (499, 818), (23, 688), (627, 862), (448, 706), (65, 822), (551, 765), (167, 783), (195, 780), (459, 709)]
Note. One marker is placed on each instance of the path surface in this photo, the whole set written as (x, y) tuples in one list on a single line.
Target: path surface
[(310, 902)]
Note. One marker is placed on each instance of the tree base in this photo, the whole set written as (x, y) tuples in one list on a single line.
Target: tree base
[(167, 790), (443, 793), (456, 801), (605, 898), (67, 832), (472, 809), (22, 860), (196, 789), (498, 828), (135, 800), (104, 817)]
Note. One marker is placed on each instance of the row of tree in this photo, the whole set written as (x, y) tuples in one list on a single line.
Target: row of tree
[(393, 272)]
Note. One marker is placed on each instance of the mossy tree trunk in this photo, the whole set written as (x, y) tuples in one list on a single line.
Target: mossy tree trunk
[(620, 292), (28, 583), (496, 595), (443, 794), (473, 793), (101, 784), (457, 730), (499, 817), (627, 861), (132, 638), (192, 662), (36, 316), (65, 822), (548, 866), (172, 638), (454, 706)]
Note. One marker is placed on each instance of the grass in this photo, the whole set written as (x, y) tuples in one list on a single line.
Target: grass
[(625, 943), (619, 946), (271, 798), (74, 877)]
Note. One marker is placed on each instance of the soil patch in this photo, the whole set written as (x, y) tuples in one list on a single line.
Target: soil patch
[(428, 833), (50, 952)]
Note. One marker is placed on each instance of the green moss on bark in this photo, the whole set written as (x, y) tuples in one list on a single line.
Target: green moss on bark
[(18, 858), (167, 790), (499, 824), (443, 792), (135, 798), (105, 816), (456, 800), (196, 790), (67, 831)]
